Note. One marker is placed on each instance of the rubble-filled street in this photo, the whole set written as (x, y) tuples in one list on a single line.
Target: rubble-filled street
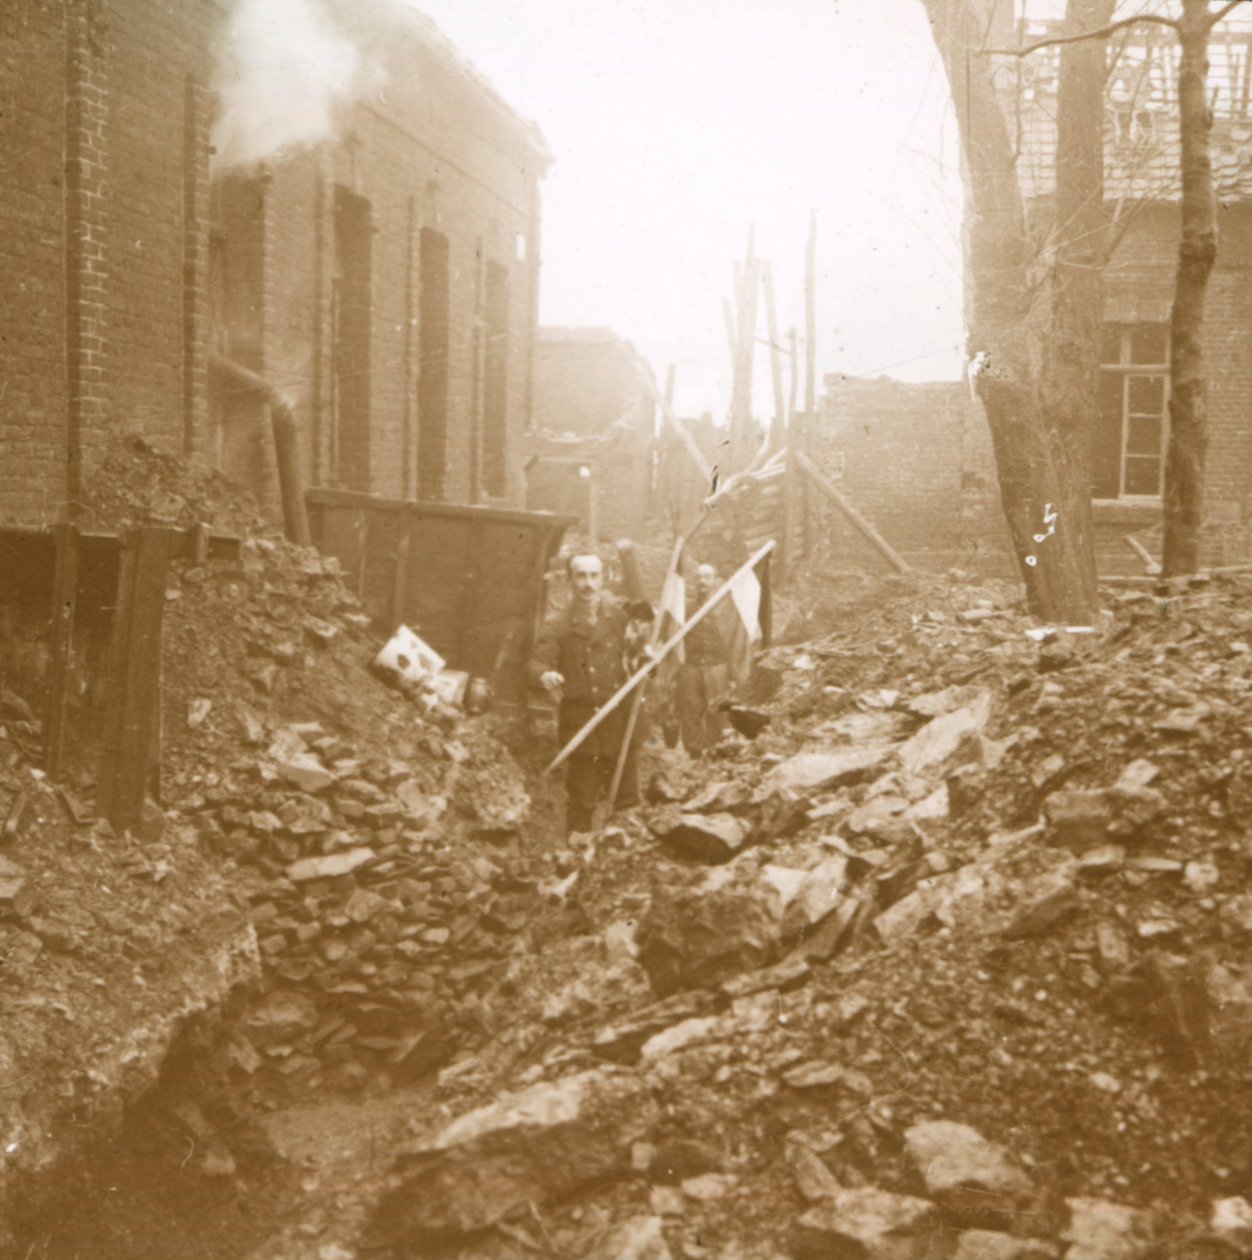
[(626, 630), (953, 958)]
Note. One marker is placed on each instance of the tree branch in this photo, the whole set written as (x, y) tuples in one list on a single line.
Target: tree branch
[(1102, 33), (1228, 7)]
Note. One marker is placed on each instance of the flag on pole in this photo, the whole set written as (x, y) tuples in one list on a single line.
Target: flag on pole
[(745, 626), (673, 609)]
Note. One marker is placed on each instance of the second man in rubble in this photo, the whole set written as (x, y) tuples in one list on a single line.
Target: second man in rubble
[(705, 675)]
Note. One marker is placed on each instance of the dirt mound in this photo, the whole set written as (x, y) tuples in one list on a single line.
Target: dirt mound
[(135, 484)]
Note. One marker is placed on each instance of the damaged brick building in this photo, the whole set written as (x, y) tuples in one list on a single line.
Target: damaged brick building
[(917, 457), (382, 283)]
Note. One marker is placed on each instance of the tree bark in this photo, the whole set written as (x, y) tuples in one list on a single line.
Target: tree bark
[(1037, 411), (1069, 377), (1197, 250)]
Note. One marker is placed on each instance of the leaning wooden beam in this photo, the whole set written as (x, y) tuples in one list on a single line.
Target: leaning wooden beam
[(867, 531), (644, 671), (1150, 565), (286, 436), (667, 414)]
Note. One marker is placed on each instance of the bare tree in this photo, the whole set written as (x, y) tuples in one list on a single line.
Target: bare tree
[(1040, 391), (1034, 347), (1197, 250)]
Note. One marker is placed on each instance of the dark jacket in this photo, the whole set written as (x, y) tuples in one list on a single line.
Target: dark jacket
[(592, 661), (709, 642)]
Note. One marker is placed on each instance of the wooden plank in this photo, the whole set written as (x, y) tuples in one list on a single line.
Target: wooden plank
[(64, 605), (779, 427), (361, 522), (356, 500), (134, 683), (867, 531), (764, 575)]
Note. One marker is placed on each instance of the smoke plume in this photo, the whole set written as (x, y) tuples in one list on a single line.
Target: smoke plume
[(281, 71)]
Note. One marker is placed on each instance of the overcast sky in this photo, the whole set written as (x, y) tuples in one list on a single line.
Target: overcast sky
[(677, 123)]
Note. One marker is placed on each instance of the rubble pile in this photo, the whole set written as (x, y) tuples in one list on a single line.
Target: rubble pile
[(381, 838), (953, 959), (372, 839), (108, 945), (945, 951)]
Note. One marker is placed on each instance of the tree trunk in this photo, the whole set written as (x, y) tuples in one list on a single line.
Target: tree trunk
[(1069, 378), (1197, 250), (1037, 414)]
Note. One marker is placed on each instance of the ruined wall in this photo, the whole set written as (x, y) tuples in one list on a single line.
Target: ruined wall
[(593, 410), (916, 460), (389, 179), (431, 160)]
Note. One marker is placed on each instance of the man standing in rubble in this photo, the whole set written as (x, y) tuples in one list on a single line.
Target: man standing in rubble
[(704, 677), (580, 660)]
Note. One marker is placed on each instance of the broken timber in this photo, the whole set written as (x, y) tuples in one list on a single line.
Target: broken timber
[(866, 530)]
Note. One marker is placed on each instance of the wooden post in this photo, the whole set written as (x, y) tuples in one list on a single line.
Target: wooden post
[(732, 336), (64, 605), (741, 435), (400, 579), (795, 374), (867, 531), (646, 670), (765, 577), (810, 321), (134, 683), (778, 428), (471, 599)]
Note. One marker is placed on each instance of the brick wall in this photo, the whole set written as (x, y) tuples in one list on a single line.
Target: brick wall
[(126, 261), (434, 155), (33, 75), (916, 460), (103, 218)]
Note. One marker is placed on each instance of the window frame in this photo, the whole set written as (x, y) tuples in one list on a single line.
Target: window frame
[(1125, 369)]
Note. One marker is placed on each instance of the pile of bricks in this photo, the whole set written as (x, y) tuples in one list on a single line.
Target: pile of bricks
[(379, 938)]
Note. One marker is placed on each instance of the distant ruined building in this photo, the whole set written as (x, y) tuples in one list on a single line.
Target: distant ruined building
[(590, 453), (381, 282)]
